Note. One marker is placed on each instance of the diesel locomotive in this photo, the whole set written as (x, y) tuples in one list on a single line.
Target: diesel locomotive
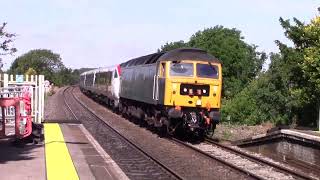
[(178, 90)]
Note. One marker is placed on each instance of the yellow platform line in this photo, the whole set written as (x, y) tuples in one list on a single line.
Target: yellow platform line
[(59, 164)]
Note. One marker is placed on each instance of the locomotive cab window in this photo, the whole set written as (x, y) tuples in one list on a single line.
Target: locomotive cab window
[(162, 72), (181, 69), (207, 71)]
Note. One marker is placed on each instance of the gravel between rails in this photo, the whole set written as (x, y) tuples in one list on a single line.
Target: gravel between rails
[(55, 109), (185, 161)]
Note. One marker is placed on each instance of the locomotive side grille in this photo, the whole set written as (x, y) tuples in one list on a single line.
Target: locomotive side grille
[(194, 90)]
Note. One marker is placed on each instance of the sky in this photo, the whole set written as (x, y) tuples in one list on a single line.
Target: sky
[(99, 33)]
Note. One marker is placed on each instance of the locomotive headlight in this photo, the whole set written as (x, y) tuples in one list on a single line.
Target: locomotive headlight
[(204, 91), (185, 90)]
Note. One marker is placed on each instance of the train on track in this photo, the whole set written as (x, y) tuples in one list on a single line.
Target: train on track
[(175, 90)]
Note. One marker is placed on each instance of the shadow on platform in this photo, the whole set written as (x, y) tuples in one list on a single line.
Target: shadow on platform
[(9, 151)]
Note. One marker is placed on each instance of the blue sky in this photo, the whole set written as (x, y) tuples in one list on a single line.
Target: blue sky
[(96, 33)]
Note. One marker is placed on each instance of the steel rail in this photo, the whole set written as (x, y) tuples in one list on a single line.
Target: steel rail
[(260, 160), (208, 140), (172, 172), (217, 159)]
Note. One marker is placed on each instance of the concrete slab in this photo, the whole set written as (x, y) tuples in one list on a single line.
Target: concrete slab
[(28, 162), (90, 160), (307, 137), (21, 163)]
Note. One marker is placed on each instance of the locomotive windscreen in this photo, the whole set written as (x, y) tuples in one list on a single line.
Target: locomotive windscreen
[(207, 71), (181, 69)]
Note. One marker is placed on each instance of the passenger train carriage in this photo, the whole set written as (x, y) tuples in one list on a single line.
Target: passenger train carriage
[(103, 83), (178, 89)]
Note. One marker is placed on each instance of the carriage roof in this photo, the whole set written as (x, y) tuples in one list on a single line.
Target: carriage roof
[(98, 70)]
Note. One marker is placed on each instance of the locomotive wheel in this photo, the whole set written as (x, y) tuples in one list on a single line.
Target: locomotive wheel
[(209, 134), (170, 130), (210, 131), (172, 127)]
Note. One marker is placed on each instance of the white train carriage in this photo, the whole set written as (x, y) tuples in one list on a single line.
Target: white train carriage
[(104, 83)]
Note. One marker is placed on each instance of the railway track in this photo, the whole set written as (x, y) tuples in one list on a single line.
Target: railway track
[(254, 166), (298, 174), (137, 164)]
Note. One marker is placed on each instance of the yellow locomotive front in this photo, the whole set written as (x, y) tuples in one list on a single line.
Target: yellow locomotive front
[(178, 89), (193, 94)]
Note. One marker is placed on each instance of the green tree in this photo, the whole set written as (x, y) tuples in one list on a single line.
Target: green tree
[(265, 99), (31, 71), (289, 91), (302, 68), (172, 45), (311, 61), (67, 76), (43, 61), (6, 40), (241, 61)]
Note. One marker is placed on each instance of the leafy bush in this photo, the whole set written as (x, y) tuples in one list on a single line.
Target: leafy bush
[(259, 102)]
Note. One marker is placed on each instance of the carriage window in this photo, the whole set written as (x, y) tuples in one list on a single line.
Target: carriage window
[(207, 71), (89, 80), (115, 74), (108, 78), (181, 69)]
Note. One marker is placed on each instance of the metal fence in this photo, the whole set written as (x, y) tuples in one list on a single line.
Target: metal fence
[(14, 85)]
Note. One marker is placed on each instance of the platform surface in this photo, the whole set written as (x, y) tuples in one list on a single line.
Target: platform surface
[(68, 152), (26, 162)]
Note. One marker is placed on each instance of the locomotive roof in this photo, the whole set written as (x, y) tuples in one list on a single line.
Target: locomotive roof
[(173, 55)]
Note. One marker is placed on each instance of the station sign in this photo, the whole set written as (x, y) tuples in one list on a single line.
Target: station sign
[(19, 78)]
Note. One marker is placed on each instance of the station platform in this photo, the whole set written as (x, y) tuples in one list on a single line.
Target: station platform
[(305, 136), (68, 152)]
